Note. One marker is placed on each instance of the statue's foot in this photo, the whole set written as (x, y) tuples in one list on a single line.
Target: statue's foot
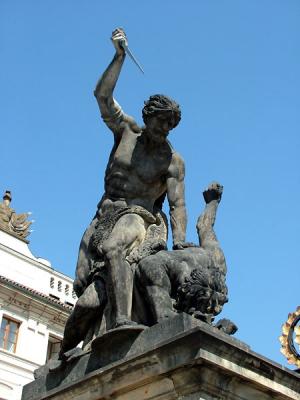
[(213, 192), (122, 321), (73, 353), (55, 365), (65, 357)]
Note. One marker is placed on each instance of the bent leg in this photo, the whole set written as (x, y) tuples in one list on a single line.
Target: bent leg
[(128, 233), (88, 307), (86, 256)]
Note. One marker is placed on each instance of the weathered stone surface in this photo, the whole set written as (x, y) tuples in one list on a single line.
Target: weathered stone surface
[(178, 359)]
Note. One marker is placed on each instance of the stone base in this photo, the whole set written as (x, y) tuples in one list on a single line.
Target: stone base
[(181, 358)]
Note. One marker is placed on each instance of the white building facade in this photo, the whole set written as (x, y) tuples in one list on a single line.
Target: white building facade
[(35, 302)]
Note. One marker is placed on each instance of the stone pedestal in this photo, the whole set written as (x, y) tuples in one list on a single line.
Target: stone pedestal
[(180, 358)]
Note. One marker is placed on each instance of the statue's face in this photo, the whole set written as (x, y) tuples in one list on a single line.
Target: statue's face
[(159, 126)]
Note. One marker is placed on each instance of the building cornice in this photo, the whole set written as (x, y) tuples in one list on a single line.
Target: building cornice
[(34, 293)]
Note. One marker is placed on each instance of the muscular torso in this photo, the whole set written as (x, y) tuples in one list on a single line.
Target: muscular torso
[(136, 173)]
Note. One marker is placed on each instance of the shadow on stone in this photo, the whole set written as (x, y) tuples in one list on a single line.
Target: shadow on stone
[(120, 340)]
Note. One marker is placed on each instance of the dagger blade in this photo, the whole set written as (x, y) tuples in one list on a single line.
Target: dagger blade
[(129, 52)]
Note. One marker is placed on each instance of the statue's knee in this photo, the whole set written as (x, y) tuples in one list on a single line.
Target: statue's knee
[(92, 298), (110, 249), (85, 309), (83, 304)]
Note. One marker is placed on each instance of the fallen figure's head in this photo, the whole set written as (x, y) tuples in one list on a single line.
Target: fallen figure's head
[(202, 294)]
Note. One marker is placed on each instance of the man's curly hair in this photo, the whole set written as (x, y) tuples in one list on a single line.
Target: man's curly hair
[(159, 104)]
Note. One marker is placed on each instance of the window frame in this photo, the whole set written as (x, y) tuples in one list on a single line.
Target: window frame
[(52, 341), (4, 343)]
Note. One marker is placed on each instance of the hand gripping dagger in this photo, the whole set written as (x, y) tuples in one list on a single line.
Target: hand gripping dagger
[(128, 51)]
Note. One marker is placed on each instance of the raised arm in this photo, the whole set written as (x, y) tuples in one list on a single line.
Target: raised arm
[(175, 193), (111, 112)]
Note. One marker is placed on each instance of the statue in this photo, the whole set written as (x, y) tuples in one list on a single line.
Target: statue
[(125, 276), (16, 224), (142, 169)]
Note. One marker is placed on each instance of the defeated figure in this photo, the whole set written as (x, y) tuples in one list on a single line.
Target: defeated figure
[(190, 280)]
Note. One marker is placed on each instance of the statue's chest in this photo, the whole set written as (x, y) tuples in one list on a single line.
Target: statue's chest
[(133, 157), (150, 168)]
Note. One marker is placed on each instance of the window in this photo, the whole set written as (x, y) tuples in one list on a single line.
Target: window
[(67, 290), (9, 334), (53, 348), (74, 294), (59, 286), (52, 283)]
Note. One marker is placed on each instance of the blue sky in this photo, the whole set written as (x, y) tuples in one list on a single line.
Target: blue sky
[(234, 68)]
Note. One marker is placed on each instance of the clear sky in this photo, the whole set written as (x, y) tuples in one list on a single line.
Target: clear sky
[(232, 65)]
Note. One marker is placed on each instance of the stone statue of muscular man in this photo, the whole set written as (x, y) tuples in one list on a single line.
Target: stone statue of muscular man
[(142, 169)]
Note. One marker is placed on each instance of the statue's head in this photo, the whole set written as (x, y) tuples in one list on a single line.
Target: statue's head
[(203, 293), (162, 111)]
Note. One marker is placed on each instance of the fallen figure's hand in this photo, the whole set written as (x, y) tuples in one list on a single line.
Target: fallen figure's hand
[(183, 245)]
